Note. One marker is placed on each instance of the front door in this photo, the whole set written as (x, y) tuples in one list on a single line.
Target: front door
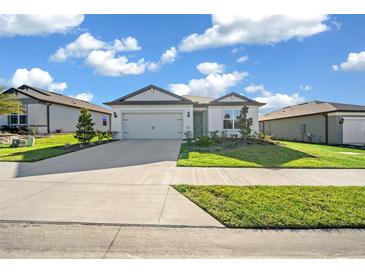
[(198, 123)]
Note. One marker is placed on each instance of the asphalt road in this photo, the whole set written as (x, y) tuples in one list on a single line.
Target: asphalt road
[(24, 240)]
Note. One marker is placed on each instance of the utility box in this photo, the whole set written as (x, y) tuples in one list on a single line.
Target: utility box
[(30, 141)]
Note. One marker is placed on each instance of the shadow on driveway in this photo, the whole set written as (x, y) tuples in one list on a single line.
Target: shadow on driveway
[(111, 155)]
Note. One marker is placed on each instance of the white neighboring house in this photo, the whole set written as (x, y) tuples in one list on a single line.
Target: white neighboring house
[(155, 113), (47, 111)]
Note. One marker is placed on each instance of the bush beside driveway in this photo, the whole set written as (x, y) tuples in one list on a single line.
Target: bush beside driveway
[(276, 155), (281, 206)]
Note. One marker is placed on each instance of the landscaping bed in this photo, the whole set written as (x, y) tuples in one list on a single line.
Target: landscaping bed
[(281, 206), (269, 154), (45, 147)]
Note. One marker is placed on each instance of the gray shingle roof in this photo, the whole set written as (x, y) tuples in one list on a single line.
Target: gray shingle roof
[(53, 97), (312, 107)]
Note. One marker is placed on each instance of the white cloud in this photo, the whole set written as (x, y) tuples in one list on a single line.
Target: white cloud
[(36, 77), (126, 44), (230, 30), (354, 62), (168, 56), (86, 42), (210, 67), (85, 96), (213, 85), (305, 87), (59, 87), (106, 63), (274, 100), (242, 59), (31, 24), (255, 88), (237, 49)]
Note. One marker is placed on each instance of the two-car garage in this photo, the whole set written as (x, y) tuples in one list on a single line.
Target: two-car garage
[(151, 113), (152, 125)]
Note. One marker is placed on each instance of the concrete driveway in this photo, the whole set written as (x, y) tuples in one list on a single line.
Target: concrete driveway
[(121, 182), (129, 182)]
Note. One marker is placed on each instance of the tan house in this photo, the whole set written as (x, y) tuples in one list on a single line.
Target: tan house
[(47, 111), (317, 122)]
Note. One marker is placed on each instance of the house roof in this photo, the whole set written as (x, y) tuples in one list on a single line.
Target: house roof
[(122, 100), (53, 97), (312, 107)]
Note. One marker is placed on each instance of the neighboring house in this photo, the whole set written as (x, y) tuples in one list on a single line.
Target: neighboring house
[(47, 111), (322, 122), (155, 113)]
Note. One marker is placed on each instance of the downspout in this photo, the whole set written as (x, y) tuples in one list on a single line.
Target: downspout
[(326, 126), (110, 123), (48, 128)]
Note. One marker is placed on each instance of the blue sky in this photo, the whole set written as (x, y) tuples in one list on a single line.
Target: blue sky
[(285, 60)]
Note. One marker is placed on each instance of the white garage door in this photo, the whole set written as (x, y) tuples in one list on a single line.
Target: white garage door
[(354, 130), (152, 125)]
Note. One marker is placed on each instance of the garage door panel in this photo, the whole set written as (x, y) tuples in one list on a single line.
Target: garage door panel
[(354, 130), (152, 125)]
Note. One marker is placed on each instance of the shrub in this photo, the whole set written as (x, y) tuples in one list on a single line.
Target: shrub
[(100, 135), (224, 134), (265, 137), (85, 127), (203, 141), (244, 123), (214, 136), (188, 137)]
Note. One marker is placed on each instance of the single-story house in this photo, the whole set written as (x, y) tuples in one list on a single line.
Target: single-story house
[(317, 122), (47, 111), (155, 113)]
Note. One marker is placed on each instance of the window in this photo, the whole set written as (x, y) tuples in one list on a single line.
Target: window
[(19, 119), (230, 118), (105, 121)]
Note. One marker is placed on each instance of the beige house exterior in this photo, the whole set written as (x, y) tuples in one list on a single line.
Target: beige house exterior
[(155, 113), (317, 122), (48, 112)]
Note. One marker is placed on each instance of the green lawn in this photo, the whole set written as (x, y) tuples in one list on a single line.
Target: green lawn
[(44, 148), (282, 154), (281, 206)]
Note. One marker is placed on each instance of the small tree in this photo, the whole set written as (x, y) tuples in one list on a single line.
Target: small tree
[(244, 123), (85, 127), (9, 103)]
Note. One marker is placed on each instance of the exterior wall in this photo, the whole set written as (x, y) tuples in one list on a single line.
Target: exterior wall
[(216, 113), (334, 130), (152, 95), (65, 118), (3, 120), (290, 128), (119, 110), (37, 117)]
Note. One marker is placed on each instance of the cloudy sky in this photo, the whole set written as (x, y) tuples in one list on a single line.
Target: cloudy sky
[(280, 60)]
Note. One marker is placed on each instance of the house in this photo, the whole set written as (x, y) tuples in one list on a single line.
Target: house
[(317, 122), (155, 113), (47, 111)]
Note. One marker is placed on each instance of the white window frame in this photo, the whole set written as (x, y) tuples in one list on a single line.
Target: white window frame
[(25, 109), (233, 118)]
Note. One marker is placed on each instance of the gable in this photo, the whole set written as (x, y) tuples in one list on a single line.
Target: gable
[(232, 98), (152, 94)]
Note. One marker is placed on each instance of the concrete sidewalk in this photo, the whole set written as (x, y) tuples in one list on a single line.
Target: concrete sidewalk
[(24, 240)]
